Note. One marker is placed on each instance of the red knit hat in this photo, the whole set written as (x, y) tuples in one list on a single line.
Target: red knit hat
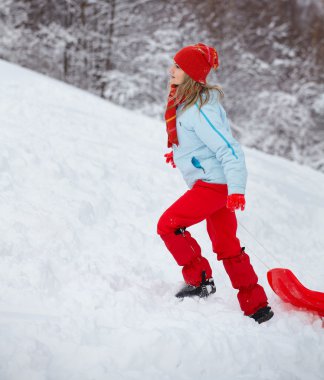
[(197, 61)]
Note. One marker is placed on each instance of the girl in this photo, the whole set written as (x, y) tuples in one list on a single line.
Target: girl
[(213, 166)]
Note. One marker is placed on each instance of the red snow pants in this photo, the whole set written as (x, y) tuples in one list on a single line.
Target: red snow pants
[(208, 201)]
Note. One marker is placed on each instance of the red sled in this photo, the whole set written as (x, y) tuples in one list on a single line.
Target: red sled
[(286, 285)]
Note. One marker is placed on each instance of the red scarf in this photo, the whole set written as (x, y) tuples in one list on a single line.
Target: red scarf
[(170, 118)]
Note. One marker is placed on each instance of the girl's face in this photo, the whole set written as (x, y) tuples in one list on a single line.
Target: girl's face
[(177, 75)]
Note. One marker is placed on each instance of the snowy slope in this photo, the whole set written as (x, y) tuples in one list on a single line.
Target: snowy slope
[(86, 285)]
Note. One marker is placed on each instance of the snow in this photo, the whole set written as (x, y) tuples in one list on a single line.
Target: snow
[(87, 287)]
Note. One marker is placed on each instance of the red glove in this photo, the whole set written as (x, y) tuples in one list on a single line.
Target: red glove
[(169, 159), (235, 202)]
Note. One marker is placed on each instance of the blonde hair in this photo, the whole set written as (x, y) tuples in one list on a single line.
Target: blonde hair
[(193, 91)]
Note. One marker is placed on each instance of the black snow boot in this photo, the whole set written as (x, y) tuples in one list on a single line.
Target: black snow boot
[(205, 288), (262, 315)]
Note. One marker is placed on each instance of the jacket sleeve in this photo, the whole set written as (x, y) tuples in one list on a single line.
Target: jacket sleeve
[(212, 127)]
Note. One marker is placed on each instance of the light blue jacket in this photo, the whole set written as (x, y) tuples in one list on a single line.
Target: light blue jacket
[(207, 150)]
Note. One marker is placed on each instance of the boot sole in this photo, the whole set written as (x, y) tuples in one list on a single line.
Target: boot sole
[(265, 317), (193, 294)]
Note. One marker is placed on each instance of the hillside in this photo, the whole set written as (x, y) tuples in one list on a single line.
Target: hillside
[(86, 284)]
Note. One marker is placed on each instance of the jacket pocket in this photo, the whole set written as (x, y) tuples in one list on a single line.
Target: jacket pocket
[(196, 163)]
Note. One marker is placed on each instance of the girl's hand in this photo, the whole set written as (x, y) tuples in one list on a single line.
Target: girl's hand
[(235, 202), (169, 159)]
